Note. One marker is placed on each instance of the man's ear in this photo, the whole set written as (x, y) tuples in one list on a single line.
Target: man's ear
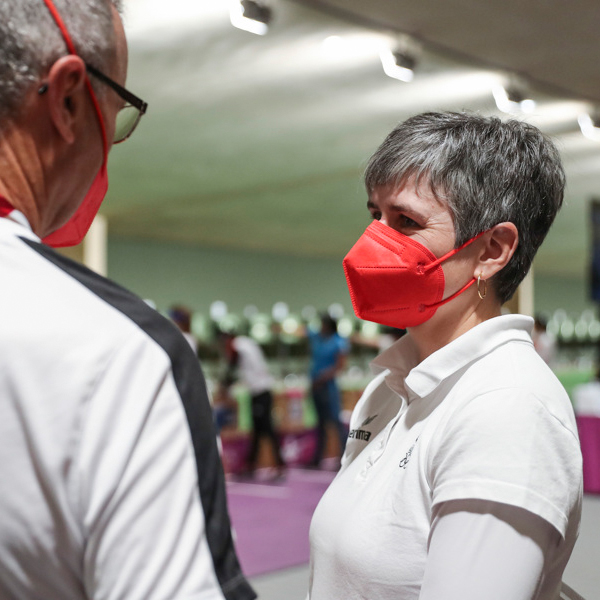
[(498, 246), (67, 95)]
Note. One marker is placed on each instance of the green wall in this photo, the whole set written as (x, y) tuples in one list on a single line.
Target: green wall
[(553, 292), (170, 273)]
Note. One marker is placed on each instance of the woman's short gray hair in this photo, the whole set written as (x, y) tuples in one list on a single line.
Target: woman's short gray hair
[(30, 42), (488, 171)]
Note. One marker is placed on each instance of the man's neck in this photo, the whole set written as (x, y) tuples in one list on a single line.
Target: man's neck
[(21, 176)]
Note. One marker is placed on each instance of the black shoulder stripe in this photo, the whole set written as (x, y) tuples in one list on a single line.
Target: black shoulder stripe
[(192, 389)]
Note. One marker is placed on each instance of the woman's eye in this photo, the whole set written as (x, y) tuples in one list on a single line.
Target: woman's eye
[(408, 222), (402, 220)]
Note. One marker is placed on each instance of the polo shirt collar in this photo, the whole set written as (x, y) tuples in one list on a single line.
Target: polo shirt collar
[(18, 217), (410, 378), (17, 224)]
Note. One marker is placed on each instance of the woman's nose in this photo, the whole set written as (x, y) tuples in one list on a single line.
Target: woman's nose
[(384, 220)]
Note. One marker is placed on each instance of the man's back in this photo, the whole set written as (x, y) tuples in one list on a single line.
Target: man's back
[(111, 481)]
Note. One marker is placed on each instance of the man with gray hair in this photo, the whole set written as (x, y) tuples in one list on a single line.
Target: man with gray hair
[(111, 484)]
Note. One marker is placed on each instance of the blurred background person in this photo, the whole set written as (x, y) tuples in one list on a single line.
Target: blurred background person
[(182, 317), (328, 358), (225, 408), (246, 363)]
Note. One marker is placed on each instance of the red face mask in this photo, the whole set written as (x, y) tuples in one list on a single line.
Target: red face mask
[(394, 280), (73, 232)]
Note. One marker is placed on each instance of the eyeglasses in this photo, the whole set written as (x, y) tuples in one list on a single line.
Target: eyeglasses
[(129, 116)]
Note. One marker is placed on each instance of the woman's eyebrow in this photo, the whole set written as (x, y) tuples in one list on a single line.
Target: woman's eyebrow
[(409, 209)]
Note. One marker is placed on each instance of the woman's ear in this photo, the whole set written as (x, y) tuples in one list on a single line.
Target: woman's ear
[(499, 245), (67, 95)]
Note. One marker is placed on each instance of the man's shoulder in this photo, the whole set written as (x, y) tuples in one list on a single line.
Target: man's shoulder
[(72, 328), (57, 296)]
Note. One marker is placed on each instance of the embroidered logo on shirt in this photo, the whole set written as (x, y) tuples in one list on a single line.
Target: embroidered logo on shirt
[(405, 460), (361, 434), (369, 420)]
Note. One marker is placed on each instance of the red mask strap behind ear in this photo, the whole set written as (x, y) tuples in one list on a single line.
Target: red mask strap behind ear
[(71, 48)]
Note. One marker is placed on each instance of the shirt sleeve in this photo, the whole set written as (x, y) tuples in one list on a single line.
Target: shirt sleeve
[(474, 545), (507, 447), (140, 505)]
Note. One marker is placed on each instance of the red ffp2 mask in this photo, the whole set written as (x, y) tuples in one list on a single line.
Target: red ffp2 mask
[(394, 280)]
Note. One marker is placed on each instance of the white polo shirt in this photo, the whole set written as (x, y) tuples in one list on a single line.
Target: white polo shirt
[(111, 485), (482, 418)]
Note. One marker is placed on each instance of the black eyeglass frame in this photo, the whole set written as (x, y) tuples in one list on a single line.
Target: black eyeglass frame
[(130, 98)]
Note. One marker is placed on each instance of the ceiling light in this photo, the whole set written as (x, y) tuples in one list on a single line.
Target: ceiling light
[(398, 64), (589, 123), (512, 98), (251, 16)]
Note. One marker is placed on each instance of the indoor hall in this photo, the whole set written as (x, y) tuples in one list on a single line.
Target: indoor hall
[(239, 196)]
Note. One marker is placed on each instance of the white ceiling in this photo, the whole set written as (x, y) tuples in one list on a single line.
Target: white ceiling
[(553, 43), (258, 143)]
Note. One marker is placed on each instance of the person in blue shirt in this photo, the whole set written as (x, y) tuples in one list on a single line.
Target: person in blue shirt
[(328, 354)]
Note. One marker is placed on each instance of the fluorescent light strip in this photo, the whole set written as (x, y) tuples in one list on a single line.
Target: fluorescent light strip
[(505, 104), (391, 69), (236, 14), (589, 130)]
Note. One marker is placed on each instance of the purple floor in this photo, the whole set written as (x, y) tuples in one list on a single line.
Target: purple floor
[(271, 520)]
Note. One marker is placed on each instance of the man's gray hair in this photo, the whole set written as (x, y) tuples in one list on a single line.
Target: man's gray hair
[(30, 42), (488, 171)]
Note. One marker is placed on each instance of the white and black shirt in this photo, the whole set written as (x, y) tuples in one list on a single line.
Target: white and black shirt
[(111, 485)]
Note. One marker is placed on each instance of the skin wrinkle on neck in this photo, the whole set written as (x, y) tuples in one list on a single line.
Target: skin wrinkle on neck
[(22, 179)]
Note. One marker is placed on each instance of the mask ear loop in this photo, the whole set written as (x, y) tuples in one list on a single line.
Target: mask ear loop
[(442, 302), (440, 260), (465, 287)]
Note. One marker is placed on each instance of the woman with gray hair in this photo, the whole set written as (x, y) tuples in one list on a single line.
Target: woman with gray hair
[(462, 474)]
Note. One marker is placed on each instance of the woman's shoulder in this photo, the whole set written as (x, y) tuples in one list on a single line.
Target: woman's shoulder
[(515, 380)]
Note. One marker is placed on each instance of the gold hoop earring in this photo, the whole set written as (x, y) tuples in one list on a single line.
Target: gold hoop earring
[(481, 294)]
